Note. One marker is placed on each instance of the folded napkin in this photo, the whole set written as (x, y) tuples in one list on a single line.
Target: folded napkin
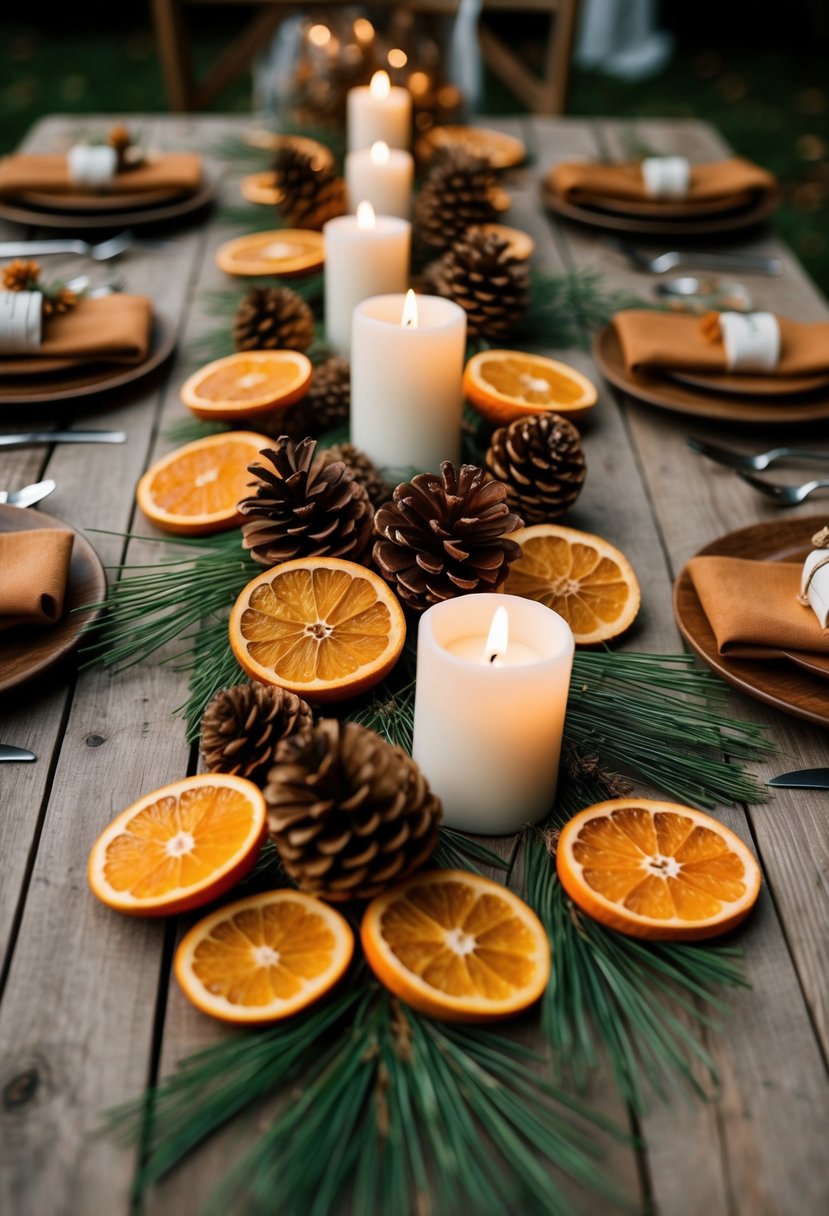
[(48, 173), (753, 610), (34, 568), (679, 342), (732, 181), (111, 329)]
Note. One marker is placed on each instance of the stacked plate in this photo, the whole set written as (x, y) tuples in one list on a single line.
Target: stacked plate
[(105, 212)]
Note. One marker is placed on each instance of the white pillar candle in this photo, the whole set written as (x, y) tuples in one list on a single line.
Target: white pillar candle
[(365, 255), (407, 357), (379, 111), (487, 734), (383, 176)]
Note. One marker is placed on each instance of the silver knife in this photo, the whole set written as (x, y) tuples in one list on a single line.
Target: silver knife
[(24, 438), (28, 495), (8, 752), (803, 779)]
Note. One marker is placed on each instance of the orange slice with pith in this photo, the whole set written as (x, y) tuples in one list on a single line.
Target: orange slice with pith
[(196, 489), (580, 576), (286, 252), (323, 627), (658, 870), (179, 847), (457, 946), (503, 385), (249, 384), (264, 958)]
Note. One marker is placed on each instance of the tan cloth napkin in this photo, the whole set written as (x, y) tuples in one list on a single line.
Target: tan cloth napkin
[(753, 611), (728, 181), (676, 342), (34, 568), (48, 173), (112, 329)]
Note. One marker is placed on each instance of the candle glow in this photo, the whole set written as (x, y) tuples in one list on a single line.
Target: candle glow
[(409, 317), (380, 86), (498, 637), (380, 153), (365, 215)]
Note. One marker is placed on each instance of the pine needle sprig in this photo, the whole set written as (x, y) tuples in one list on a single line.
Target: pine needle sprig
[(642, 1006), (189, 429), (455, 851), (563, 305)]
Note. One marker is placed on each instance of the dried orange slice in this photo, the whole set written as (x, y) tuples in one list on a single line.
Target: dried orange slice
[(286, 252), (179, 847), (264, 958), (520, 244), (261, 188), (657, 869), (457, 946), (580, 576), (500, 150), (258, 137), (195, 490), (507, 384), (320, 626), (249, 384)]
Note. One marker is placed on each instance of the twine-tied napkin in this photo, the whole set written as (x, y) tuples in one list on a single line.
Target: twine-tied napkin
[(50, 173), (732, 182), (34, 568), (110, 329)]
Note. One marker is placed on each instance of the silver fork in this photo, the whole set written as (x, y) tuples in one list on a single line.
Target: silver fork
[(786, 496), (740, 460), (80, 284), (104, 251), (661, 262)]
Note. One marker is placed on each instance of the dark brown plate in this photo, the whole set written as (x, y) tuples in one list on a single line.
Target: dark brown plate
[(25, 653), (86, 221), (669, 209), (668, 394), (97, 202), (712, 225), (781, 684), (90, 378), (751, 386)]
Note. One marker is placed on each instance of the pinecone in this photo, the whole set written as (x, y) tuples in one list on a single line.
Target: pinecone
[(326, 404), (361, 467), (540, 460), (445, 536), (348, 812), (457, 194), (310, 195), (300, 511), (21, 275), (273, 318), (242, 727), (491, 285)]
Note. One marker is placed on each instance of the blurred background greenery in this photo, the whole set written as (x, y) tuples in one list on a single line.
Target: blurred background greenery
[(761, 80)]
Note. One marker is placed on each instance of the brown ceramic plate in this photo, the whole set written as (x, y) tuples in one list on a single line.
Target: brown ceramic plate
[(98, 202), (789, 688), (669, 209), (668, 394), (87, 221), (502, 151), (713, 225), (69, 383), (25, 653), (751, 386)]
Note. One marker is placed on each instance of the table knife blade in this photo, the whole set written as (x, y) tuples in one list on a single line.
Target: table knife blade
[(9, 752), (803, 779)]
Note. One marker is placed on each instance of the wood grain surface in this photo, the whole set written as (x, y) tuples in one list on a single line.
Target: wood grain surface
[(89, 1013)]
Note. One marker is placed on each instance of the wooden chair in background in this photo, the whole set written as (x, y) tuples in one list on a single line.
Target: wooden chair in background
[(542, 94)]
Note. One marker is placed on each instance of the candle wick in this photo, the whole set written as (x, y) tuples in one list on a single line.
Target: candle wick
[(493, 656)]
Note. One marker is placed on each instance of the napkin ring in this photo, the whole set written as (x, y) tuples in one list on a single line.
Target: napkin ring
[(820, 540)]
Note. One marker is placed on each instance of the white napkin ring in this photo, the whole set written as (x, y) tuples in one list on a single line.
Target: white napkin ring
[(21, 321), (814, 585), (666, 176), (751, 341), (92, 164)]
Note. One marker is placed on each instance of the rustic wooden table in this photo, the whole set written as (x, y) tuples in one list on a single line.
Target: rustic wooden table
[(89, 1015)]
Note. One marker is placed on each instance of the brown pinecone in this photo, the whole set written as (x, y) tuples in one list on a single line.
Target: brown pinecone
[(273, 318), (243, 726), (457, 193), (327, 403), (445, 536), (310, 195), (491, 285), (361, 467), (21, 275), (300, 511), (348, 812), (541, 462)]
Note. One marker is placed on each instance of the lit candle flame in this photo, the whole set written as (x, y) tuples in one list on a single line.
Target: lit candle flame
[(380, 85), (365, 215), (379, 153), (409, 318), (498, 638)]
